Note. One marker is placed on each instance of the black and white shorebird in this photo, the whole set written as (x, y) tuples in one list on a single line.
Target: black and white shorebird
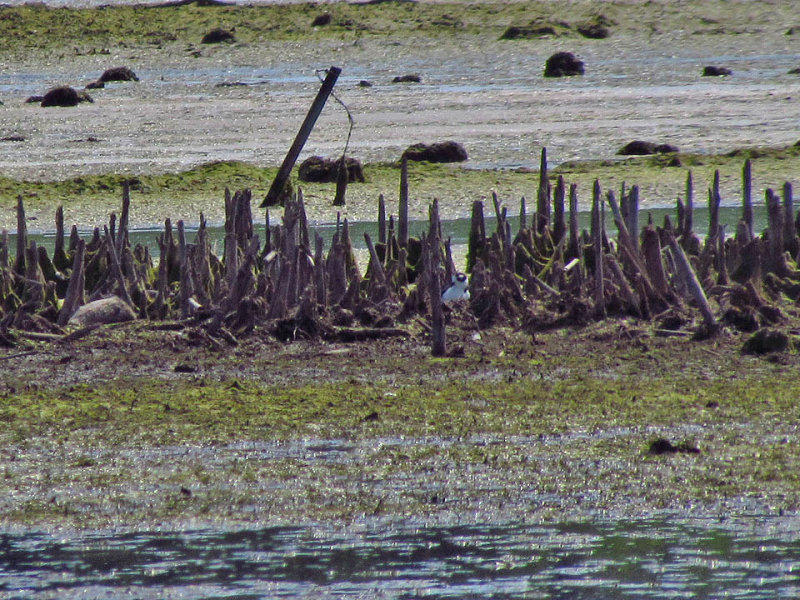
[(458, 289)]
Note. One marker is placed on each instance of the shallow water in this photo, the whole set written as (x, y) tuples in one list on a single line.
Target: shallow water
[(457, 230), (649, 558)]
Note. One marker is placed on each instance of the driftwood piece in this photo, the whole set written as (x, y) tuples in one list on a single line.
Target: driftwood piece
[(714, 202), (575, 248), (631, 214), (337, 273), (438, 333), (500, 216), (791, 243), (204, 282), (187, 281), (116, 271), (559, 220), (362, 334), (34, 293), (320, 284), (122, 233), (381, 219), (687, 227), (22, 237), (622, 284), (60, 259), (4, 249), (543, 196), (597, 247), (747, 196), (721, 261), (477, 235), (402, 214), (378, 290), (651, 248), (775, 233), (693, 284)]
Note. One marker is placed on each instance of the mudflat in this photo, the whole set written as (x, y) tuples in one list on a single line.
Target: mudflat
[(150, 424), (244, 101)]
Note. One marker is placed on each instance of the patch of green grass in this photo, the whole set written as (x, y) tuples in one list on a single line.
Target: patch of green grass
[(452, 184), (34, 26), (219, 412)]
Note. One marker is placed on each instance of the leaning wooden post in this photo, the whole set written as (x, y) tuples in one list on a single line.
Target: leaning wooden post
[(402, 214), (597, 239), (377, 273), (439, 342), (276, 189), (747, 196), (693, 284)]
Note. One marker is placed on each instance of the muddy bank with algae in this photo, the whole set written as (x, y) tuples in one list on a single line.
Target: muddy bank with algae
[(135, 426), (139, 426)]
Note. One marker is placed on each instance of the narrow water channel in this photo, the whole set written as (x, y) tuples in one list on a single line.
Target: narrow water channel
[(455, 229), (660, 558)]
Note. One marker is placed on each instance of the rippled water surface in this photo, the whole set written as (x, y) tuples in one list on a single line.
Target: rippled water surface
[(639, 559)]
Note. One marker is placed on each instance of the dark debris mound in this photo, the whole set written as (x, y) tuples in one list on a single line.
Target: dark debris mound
[(439, 152), (326, 170), (217, 36), (713, 71), (118, 74), (563, 64), (64, 96), (410, 78), (661, 446), (322, 20), (643, 148), (765, 341)]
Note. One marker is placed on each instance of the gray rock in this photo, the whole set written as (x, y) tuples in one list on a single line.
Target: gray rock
[(101, 312)]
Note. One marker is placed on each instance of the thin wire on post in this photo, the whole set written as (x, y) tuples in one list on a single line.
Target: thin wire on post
[(342, 174)]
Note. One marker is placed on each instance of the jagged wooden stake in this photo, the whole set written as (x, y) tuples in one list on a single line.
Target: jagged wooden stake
[(273, 195)]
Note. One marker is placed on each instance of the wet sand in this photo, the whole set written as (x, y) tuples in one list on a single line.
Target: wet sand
[(490, 96)]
